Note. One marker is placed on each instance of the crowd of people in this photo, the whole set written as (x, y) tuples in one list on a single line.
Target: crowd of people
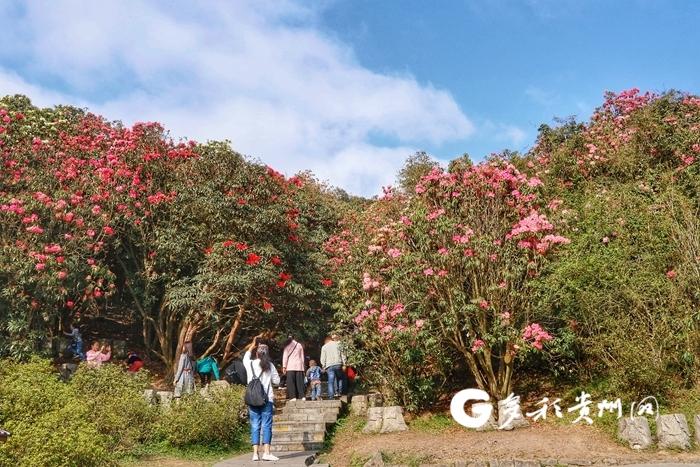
[(300, 375)]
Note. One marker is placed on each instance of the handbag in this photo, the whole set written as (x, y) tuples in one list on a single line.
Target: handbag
[(255, 393)]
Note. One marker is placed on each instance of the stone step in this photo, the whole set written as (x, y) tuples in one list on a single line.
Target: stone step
[(282, 446), (307, 410), (281, 426), (299, 437), (322, 404), (307, 417)]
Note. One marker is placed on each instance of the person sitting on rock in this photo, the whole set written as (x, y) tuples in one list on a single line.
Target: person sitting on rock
[(207, 368), (98, 354)]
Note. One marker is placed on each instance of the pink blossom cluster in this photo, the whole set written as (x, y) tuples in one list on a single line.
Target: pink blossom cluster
[(368, 283), (536, 335), (534, 223)]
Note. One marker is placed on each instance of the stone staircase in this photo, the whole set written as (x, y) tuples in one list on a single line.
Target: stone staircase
[(301, 425)]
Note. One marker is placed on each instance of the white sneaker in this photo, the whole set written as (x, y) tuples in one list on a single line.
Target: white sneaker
[(270, 457), (292, 400), (256, 457), (303, 398)]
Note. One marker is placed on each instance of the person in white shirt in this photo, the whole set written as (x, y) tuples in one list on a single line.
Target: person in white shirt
[(257, 361)]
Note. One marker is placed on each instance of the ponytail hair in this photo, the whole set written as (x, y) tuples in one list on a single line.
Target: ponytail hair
[(262, 353)]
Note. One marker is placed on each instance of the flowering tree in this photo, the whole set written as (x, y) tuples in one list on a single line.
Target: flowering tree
[(453, 260), (71, 185), (98, 218)]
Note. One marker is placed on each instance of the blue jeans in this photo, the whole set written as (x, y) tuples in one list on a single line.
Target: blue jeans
[(315, 391), (335, 381), (76, 348), (261, 417)]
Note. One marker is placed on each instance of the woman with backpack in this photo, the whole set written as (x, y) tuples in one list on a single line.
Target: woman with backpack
[(262, 374)]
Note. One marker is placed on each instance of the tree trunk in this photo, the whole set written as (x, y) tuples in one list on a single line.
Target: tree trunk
[(235, 327)]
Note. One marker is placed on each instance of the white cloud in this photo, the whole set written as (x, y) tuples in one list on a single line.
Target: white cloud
[(259, 74), (509, 134)]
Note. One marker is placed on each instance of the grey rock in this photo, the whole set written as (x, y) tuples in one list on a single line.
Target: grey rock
[(501, 463), (478, 464), (510, 415), (164, 398), (393, 420), (68, 370), (375, 400), (525, 463), (375, 461), (150, 396), (549, 462), (220, 385), (577, 461), (635, 431), (696, 420), (375, 416), (672, 432), (358, 405)]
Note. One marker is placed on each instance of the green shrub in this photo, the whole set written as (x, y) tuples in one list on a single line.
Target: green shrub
[(116, 404), (57, 438), (30, 390), (214, 421), (49, 421)]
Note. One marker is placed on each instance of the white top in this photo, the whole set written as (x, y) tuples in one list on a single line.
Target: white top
[(266, 377)]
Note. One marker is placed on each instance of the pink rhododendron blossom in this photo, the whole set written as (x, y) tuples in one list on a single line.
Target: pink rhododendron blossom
[(671, 274), (394, 252), (435, 214), (477, 345), (428, 272), (535, 335)]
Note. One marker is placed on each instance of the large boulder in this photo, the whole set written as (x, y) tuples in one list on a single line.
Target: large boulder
[(385, 420), (393, 420), (375, 417), (672, 432), (635, 431)]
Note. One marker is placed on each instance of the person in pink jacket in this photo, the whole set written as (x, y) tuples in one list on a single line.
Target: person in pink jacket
[(97, 354), (293, 367)]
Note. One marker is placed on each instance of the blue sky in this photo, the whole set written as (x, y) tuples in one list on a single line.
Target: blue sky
[(345, 88)]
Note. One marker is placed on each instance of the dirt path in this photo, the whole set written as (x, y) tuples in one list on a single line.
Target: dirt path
[(540, 442)]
